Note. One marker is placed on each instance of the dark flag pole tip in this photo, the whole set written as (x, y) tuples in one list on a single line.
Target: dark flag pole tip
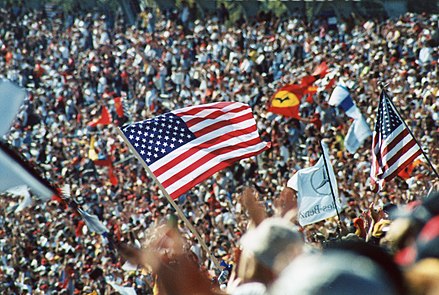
[(383, 84)]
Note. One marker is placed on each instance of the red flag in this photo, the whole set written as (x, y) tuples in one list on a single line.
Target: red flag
[(321, 70), (111, 176), (330, 84), (406, 173), (119, 106), (309, 98), (108, 163), (310, 90), (105, 118), (286, 101), (307, 81)]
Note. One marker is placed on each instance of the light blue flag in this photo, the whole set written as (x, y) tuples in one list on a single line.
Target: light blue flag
[(11, 98), (93, 223), (14, 172), (357, 134), (341, 98)]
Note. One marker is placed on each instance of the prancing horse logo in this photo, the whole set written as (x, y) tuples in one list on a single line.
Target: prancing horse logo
[(320, 182), (285, 98)]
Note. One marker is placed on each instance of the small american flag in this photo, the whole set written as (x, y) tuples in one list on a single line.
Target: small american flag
[(184, 147), (393, 147)]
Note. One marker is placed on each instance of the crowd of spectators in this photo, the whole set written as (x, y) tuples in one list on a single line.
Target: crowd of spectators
[(72, 65)]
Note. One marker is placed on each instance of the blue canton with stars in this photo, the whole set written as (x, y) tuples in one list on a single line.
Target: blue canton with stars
[(388, 120), (155, 138)]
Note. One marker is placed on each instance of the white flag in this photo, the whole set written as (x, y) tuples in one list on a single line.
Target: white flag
[(93, 223), (13, 172), (21, 190), (341, 98), (314, 197), (26, 202), (129, 266), (357, 134), (122, 290), (11, 98)]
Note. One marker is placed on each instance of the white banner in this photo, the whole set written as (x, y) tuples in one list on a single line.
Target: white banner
[(93, 223), (11, 98), (357, 134), (13, 174), (21, 190), (122, 290), (314, 197)]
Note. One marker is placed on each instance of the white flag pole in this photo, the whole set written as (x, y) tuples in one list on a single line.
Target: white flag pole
[(171, 201)]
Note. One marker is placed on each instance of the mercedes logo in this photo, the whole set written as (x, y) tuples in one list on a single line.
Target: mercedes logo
[(320, 182)]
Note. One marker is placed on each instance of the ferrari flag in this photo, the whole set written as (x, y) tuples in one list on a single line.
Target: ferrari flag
[(286, 101)]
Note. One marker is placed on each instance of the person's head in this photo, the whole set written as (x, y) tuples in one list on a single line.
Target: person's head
[(377, 255), (423, 277), (333, 272), (267, 249)]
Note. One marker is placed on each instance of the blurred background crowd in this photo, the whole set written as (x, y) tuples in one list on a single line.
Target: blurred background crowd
[(75, 65)]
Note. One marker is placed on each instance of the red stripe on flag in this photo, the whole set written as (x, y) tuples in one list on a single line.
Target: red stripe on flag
[(403, 165), (213, 115), (197, 109), (207, 158), (201, 146), (212, 171), (399, 154), (394, 142), (221, 124)]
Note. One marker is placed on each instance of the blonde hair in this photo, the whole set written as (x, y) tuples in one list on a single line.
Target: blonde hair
[(423, 277)]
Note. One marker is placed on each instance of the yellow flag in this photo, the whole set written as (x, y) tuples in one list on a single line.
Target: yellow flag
[(91, 150)]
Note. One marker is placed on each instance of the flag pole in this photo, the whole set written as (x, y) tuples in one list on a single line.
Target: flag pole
[(332, 189), (411, 133), (171, 201)]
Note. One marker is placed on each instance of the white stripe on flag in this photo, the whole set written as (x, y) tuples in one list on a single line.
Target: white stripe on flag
[(200, 154), (208, 122), (401, 160), (407, 139), (212, 135), (207, 112), (213, 162)]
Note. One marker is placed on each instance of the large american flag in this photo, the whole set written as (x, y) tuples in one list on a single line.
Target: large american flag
[(184, 147), (393, 147)]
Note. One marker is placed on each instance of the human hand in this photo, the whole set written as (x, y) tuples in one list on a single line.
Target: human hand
[(255, 210)]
